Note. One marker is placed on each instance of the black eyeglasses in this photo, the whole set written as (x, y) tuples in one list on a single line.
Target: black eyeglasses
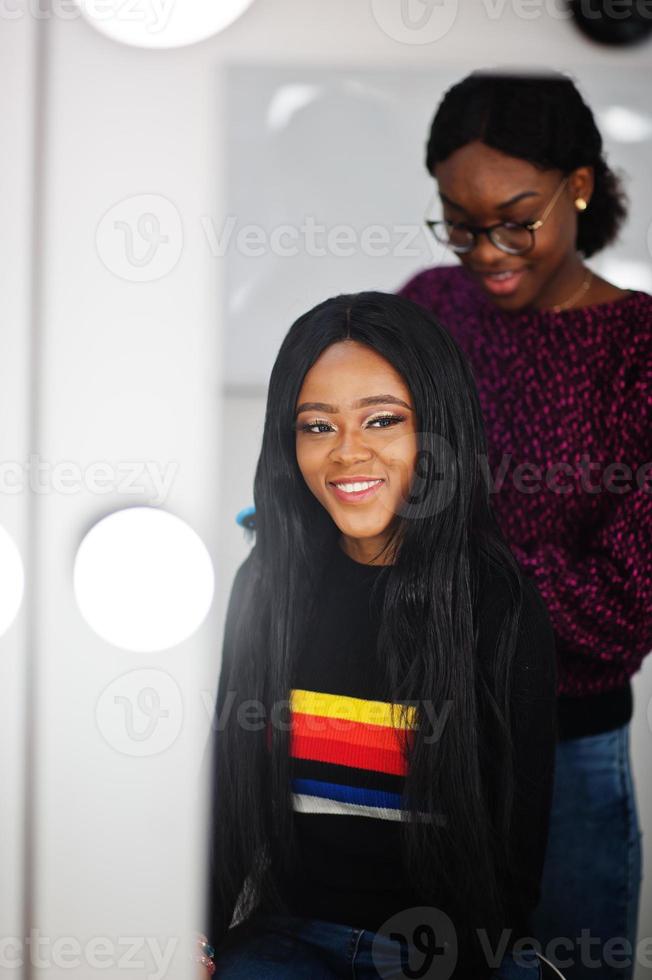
[(509, 236)]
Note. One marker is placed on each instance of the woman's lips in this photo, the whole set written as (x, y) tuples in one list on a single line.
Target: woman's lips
[(502, 285), (355, 496)]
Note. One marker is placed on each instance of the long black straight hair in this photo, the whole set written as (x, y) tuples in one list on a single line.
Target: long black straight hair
[(427, 635)]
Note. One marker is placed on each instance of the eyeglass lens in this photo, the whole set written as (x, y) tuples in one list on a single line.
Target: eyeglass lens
[(509, 238)]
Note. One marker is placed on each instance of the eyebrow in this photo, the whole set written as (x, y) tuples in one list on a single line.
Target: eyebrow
[(505, 204), (361, 402)]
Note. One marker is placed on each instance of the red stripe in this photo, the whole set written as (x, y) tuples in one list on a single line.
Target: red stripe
[(346, 730), (345, 754), (360, 746)]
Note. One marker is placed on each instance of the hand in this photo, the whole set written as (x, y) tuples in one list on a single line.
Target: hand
[(207, 968)]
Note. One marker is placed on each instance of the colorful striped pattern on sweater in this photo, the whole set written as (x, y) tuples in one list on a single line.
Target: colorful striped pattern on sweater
[(347, 754)]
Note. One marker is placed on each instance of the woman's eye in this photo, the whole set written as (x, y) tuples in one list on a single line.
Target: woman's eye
[(390, 419), (393, 419), (309, 426)]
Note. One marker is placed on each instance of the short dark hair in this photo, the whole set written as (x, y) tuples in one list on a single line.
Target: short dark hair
[(541, 118)]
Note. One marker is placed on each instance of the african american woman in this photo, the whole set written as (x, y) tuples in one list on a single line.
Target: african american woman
[(563, 362), (384, 732)]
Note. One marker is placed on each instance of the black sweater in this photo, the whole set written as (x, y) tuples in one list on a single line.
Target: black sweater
[(347, 772)]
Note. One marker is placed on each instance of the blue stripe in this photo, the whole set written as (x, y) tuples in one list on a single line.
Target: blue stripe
[(346, 794)]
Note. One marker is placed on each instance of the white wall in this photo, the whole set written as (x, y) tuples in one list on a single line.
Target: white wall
[(17, 67), (133, 370)]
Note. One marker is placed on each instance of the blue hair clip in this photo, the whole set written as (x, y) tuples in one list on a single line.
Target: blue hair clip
[(247, 518)]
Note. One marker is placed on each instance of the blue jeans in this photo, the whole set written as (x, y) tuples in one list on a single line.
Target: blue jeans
[(593, 866), (283, 947)]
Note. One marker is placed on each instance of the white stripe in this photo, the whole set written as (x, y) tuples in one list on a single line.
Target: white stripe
[(305, 803)]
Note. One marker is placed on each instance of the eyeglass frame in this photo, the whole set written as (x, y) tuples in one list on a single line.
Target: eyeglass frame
[(476, 230)]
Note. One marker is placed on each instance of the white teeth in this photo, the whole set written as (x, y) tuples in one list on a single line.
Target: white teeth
[(355, 487), (500, 275)]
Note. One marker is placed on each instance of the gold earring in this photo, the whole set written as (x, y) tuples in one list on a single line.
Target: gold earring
[(580, 203)]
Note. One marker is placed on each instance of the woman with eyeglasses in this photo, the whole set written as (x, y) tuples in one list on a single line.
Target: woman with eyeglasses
[(384, 732), (563, 362)]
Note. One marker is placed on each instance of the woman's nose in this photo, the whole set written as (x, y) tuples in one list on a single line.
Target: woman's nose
[(352, 443), (484, 253)]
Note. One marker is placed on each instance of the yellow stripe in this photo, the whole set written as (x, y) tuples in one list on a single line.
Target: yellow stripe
[(352, 709)]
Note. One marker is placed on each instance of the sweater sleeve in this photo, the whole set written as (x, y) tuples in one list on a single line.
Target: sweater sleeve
[(600, 600), (217, 916)]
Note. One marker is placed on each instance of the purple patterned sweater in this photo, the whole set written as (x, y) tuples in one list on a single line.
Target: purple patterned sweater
[(557, 388)]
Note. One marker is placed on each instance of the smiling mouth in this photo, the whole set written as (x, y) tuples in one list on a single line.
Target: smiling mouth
[(501, 282), (348, 491)]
